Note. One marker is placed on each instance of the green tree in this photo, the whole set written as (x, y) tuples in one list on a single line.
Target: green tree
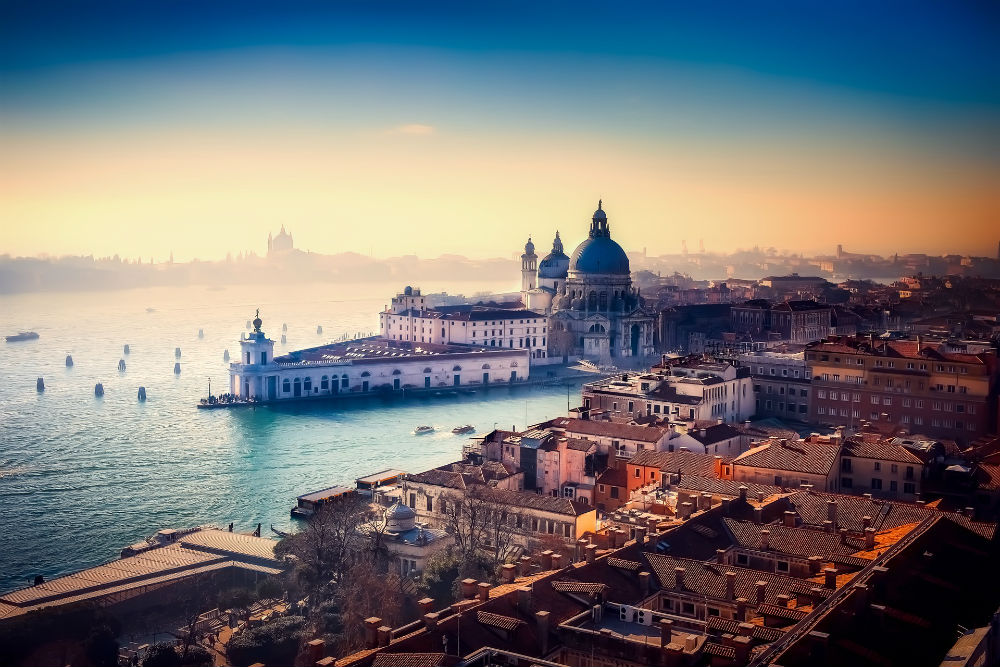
[(101, 646)]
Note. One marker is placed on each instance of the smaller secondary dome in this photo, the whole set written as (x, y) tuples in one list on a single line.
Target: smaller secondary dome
[(408, 291), (257, 321), (400, 518), (529, 247)]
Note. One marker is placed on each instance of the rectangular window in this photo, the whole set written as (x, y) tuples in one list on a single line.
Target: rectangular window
[(782, 566), (878, 465), (909, 487), (876, 483), (430, 504)]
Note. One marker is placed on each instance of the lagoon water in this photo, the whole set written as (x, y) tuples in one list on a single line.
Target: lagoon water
[(81, 477)]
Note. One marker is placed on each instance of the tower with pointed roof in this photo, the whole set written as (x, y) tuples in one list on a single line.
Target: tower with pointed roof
[(529, 270)]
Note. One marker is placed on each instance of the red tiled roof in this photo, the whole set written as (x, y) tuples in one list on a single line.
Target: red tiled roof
[(408, 660), (607, 429), (686, 463), (794, 456)]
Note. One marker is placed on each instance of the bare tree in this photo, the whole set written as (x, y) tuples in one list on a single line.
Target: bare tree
[(326, 548), (483, 527)]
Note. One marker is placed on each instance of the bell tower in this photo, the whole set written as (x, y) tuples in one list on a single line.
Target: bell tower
[(529, 271)]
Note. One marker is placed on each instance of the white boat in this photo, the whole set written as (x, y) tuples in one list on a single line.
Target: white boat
[(423, 430), (462, 430)]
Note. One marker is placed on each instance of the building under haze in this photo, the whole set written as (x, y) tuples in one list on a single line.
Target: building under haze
[(593, 309), (280, 243)]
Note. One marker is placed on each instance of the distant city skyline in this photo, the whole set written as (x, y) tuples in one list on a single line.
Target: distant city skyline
[(452, 128)]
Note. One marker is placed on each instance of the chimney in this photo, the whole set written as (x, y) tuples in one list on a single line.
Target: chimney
[(644, 582), (580, 546), (970, 512), (547, 559), (741, 609), (508, 573), (640, 535), (371, 631), (869, 538), (431, 620), (866, 521), (666, 632), (843, 536), (743, 493), (426, 605), (814, 564), (745, 629), (384, 635), (679, 577), (758, 515), (867, 495), (652, 523), (831, 512), (484, 591), (705, 501), (591, 552), (597, 613), (761, 591), (783, 600), (557, 561), (720, 556), (730, 585), (524, 599), (827, 526), (717, 463), (789, 519), (741, 645), (830, 577), (315, 650), (542, 619), (765, 539), (760, 496), (468, 588), (686, 509)]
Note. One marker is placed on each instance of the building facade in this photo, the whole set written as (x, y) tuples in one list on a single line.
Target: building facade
[(408, 318), (781, 384), (920, 387), (594, 310), (684, 389), (366, 365)]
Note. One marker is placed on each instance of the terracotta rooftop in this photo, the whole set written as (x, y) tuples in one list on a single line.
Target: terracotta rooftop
[(686, 463), (791, 456), (608, 429)]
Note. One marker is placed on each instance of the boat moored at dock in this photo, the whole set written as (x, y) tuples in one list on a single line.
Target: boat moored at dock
[(310, 503)]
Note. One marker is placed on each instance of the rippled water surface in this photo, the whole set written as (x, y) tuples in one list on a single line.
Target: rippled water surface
[(81, 477)]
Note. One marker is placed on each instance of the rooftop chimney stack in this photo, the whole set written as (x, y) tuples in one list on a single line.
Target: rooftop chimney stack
[(720, 556), (761, 592), (765, 539), (371, 631), (666, 632), (830, 577), (866, 521), (789, 519), (542, 619), (524, 599), (484, 591), (508, 573), (679, 577), (469, 588), (869, 538), (730, 585), (831, 512), (743, 493), (557, 561)]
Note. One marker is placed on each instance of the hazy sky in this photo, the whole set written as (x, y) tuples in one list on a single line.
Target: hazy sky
[(147, 126)]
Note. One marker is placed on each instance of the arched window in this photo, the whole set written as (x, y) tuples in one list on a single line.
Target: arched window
[(324, 383), (457, 368), (397, 372), (486, 366), (513, 364), (427, 370), (603, 301), (286, 386), (307, 384), (344, 382), (366, 374)]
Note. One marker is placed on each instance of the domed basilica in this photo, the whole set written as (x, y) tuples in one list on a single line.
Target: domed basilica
[(593, 310)]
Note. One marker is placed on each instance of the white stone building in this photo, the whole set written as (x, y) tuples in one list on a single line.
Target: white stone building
[(594, 311), (408, 318), (367, 365)]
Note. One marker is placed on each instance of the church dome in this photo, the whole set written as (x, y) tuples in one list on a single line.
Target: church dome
[(400, 518), (599, 254), (556, 263), (529, 247)]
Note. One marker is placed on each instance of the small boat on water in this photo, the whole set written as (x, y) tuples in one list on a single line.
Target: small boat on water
[(462, 430), (423, 430), (279, 533), (24, 335), (121, 365), (69, 361)]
